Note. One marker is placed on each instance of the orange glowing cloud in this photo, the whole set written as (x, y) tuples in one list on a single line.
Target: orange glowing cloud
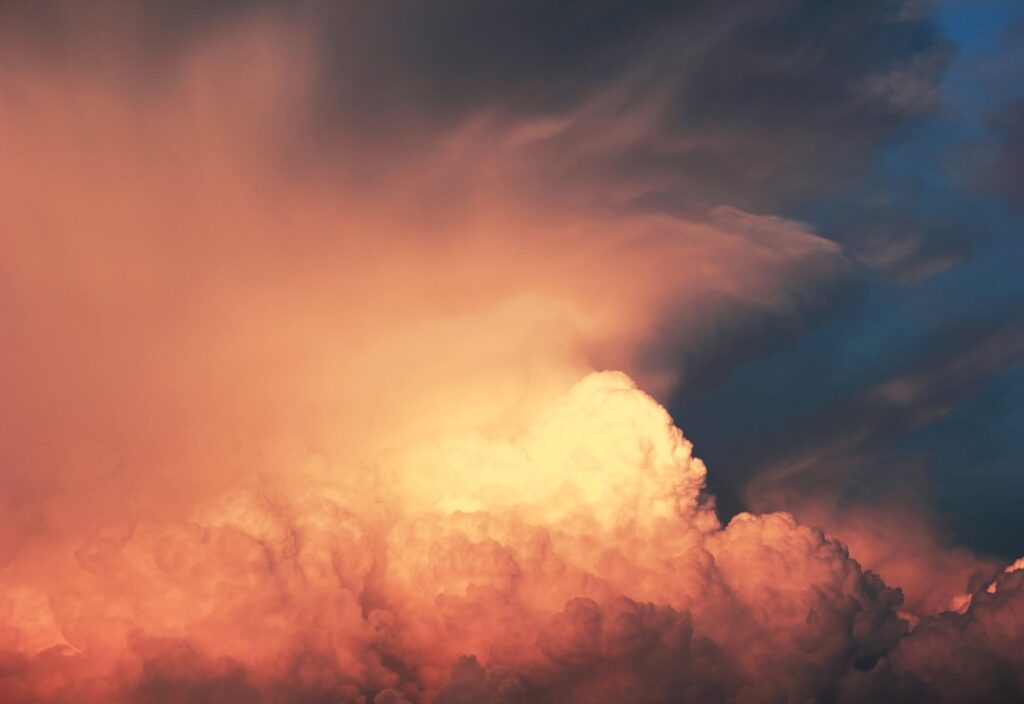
[(187, 288), (287, 425)]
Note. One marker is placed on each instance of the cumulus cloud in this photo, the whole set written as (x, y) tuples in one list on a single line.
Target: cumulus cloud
[(294, 420), (560, 591), (557, 593), (956, 657)]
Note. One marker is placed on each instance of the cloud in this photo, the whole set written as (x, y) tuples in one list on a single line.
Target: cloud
[(956, 657), (180, 283), (660, 107), (908, 250), (844, 480), (307, 407), (552, 594), (899, 538), (557, 590)]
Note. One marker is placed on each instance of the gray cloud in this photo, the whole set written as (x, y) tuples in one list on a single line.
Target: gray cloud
[(650, 106)]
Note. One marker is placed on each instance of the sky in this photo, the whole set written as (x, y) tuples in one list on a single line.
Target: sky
[(951, 287), (462, 352)]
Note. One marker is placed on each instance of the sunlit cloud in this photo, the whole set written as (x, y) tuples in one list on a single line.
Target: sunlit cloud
[(291, 420)]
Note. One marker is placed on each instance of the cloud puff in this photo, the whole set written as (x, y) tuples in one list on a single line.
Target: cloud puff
[(557, 594), (957, 657), (560, 590)]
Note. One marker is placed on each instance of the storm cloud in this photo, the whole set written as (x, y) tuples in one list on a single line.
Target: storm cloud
[(349, 350)]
